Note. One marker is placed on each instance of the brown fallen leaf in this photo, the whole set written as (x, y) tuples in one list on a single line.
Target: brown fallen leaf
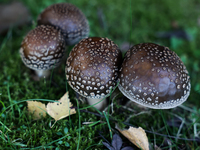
[(60, 109), (137, 136), (38, 109)]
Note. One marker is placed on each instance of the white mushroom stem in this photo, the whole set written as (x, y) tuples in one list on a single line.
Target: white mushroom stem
[(102, 102), (42, 73)]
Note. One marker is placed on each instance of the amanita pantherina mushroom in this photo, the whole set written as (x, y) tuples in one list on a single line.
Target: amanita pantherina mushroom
[(42, 49), (92, 68), (154, 76), (68, 18)]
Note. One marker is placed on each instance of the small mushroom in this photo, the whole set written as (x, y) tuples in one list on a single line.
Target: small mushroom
[(42, 49), (92, 69), (68, 18), (154, 76)]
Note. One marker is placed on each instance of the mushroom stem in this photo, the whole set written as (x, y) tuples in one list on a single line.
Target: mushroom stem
[(42, 73), (100, 106)]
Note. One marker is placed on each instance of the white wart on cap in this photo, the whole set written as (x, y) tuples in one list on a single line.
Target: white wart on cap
[(68, 18), (42, 49), (92, 68), (154, 76)]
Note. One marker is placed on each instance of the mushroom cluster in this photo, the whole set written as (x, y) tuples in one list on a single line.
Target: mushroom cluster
[(150, 74), (92, 68), (154, 76), (58, 25)]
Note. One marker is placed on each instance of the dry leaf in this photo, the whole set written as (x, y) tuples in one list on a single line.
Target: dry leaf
[(137, 136), (38, 109), (60, 109)]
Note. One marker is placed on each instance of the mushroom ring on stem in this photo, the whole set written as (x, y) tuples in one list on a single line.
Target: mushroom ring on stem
[(92, 69), (154, 76), (42, 49), (68, 18)]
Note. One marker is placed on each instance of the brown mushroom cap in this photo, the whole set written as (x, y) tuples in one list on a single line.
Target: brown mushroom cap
[(43, 48), (154, 76), (68, 18), (92, 67)]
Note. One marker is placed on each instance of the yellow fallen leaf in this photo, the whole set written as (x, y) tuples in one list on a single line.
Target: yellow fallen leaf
[(38, 109), (60, 109), (137, 136)]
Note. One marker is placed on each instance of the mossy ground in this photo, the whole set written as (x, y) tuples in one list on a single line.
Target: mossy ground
[(122, 21)]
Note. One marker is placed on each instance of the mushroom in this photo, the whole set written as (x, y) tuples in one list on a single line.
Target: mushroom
[(154, 76), (42, 49), (92, 69), (68, 18)]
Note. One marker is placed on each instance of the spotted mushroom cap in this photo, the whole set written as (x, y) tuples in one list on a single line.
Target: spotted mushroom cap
[(68, 18), (92, 67), (43, 48), (154, 76)]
